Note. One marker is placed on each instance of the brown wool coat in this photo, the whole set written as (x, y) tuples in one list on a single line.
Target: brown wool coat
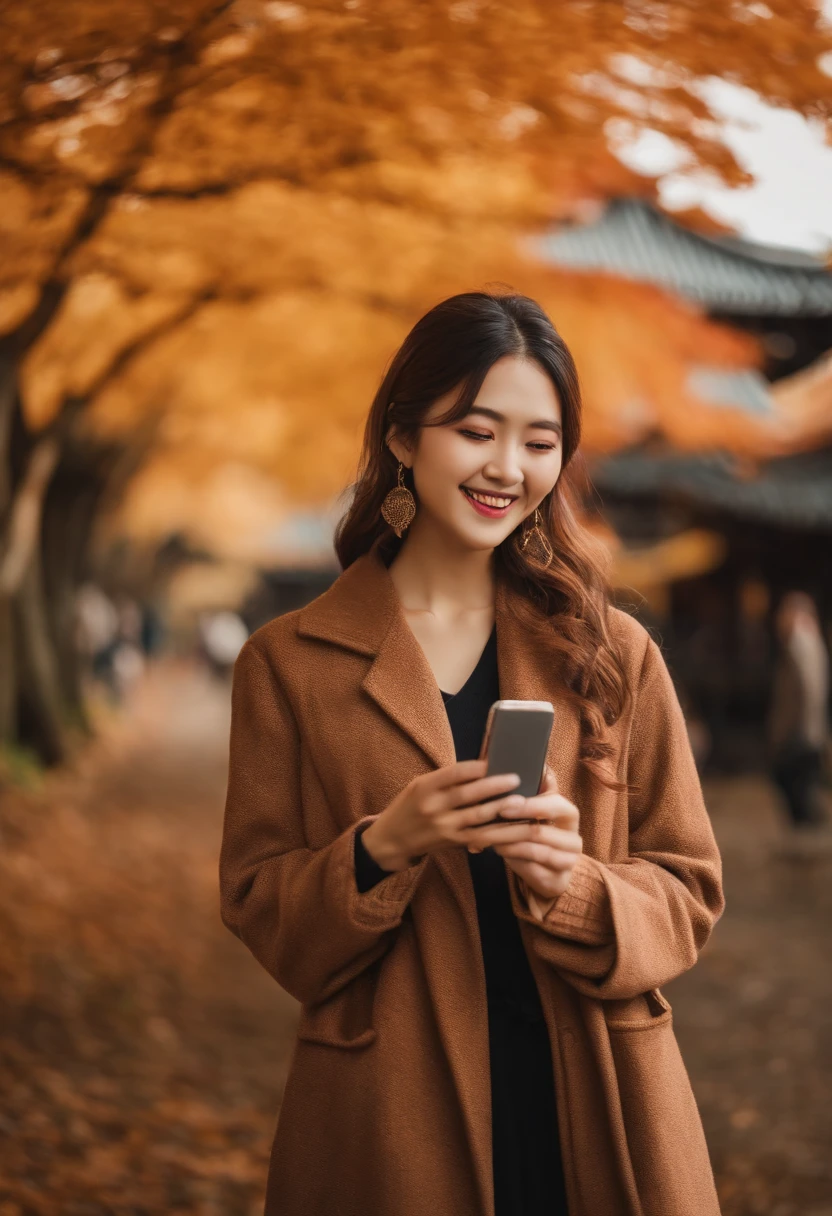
[(387, 1106)]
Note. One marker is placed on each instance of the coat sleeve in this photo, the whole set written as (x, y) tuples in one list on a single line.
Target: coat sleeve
[(298, 910), (624, 928)]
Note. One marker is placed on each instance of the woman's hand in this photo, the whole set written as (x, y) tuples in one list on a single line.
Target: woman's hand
[(545, 856), (445, 807)]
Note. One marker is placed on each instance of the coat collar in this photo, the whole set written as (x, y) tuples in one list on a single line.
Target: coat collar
[(362, 611)]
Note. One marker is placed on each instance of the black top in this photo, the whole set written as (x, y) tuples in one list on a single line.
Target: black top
[(508, 976), (528, 1173)]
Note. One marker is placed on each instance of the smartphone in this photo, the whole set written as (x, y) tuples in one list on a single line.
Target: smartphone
[(515, 740)]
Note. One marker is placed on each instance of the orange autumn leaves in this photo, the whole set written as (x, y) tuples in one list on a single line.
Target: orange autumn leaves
[(249, 205)]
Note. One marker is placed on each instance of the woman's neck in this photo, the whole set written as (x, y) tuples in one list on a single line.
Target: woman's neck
[(444, 581)]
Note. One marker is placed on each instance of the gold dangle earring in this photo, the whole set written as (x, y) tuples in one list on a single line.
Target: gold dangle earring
[(399, 505), (542, 551)]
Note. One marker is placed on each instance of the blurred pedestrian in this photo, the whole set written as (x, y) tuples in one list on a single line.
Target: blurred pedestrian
[(222, 636), (128, 657), (798, 725), (97, 633)]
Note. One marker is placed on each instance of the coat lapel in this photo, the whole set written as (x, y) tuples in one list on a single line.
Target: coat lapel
[(362, 611)]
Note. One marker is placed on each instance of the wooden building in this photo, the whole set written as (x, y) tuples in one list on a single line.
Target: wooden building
[(774, 515)]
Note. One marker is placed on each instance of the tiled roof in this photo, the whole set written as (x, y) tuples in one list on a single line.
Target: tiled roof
[(791, 490), (745, 390), (632, 238)]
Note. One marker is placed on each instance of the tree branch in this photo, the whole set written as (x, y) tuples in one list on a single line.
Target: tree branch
[(100, 201)]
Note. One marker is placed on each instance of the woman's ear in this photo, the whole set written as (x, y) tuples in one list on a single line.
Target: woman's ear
[(399, 449)]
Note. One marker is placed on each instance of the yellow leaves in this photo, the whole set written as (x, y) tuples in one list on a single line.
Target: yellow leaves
[(282, 382), (227, 508), (317, 290), (323, 173), (16, 303), (685, 555), (268, 236), (228, 48), (95, 138), (34, 224), (97, 322)]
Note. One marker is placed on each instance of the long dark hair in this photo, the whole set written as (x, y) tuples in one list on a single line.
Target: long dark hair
[(453, 346)]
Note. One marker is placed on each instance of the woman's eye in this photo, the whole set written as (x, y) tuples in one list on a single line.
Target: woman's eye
[(539, 447)]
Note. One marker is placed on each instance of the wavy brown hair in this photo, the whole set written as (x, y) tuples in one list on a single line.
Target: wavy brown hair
[(453, 346)]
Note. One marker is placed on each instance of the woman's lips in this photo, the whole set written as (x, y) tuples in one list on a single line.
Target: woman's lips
[(482, 509)]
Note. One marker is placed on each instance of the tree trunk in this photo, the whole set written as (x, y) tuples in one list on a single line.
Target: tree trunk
[(42, 711), (8, 676), (69, 516), (32, 706), (66, 529)]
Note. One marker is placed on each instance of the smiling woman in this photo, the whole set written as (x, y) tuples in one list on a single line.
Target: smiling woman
[(506, 469), (482, 1028), (499, 358)]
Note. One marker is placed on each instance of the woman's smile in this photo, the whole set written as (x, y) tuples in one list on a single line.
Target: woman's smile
[(493, 505)]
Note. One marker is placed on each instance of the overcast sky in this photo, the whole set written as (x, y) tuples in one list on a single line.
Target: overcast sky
[(791, 200)]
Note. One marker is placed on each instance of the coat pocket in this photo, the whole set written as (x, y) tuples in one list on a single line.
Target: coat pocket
[(643, 1012), (662, 1125), (344, 1020)]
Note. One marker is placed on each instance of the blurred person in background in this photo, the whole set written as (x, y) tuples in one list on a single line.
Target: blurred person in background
[(482, 1027), (798, 724), (221, 638), (707, 662), (152, 631), (97, 633), (110, 633), (129, 662)]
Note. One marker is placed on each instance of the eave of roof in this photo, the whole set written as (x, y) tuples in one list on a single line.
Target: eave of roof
[(795, 491), (634, 239)]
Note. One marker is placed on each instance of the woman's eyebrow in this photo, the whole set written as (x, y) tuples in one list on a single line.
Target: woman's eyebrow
[(546, 424)]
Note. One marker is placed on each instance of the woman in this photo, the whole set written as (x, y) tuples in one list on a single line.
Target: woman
[(481, 1029)]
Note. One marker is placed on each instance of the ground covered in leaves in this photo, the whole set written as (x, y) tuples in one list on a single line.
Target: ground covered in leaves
[(143, 1053)]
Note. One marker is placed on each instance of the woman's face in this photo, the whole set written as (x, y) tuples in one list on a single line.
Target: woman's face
[(509, 445)]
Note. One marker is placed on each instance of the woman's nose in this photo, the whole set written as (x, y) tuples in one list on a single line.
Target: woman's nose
[(505, 467)]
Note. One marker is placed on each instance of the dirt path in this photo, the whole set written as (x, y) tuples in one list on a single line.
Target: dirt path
[(143, 1052), (754, 1017)]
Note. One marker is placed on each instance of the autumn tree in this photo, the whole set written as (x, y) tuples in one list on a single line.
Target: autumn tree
[(219, 219)]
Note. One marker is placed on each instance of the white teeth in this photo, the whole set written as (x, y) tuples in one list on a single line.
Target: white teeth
[(488, 500)]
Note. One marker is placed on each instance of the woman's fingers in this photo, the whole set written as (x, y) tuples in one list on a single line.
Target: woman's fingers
[(453, 774), (509, 833), (475, 816), (470, 793), (543, 854), (545, 806)]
